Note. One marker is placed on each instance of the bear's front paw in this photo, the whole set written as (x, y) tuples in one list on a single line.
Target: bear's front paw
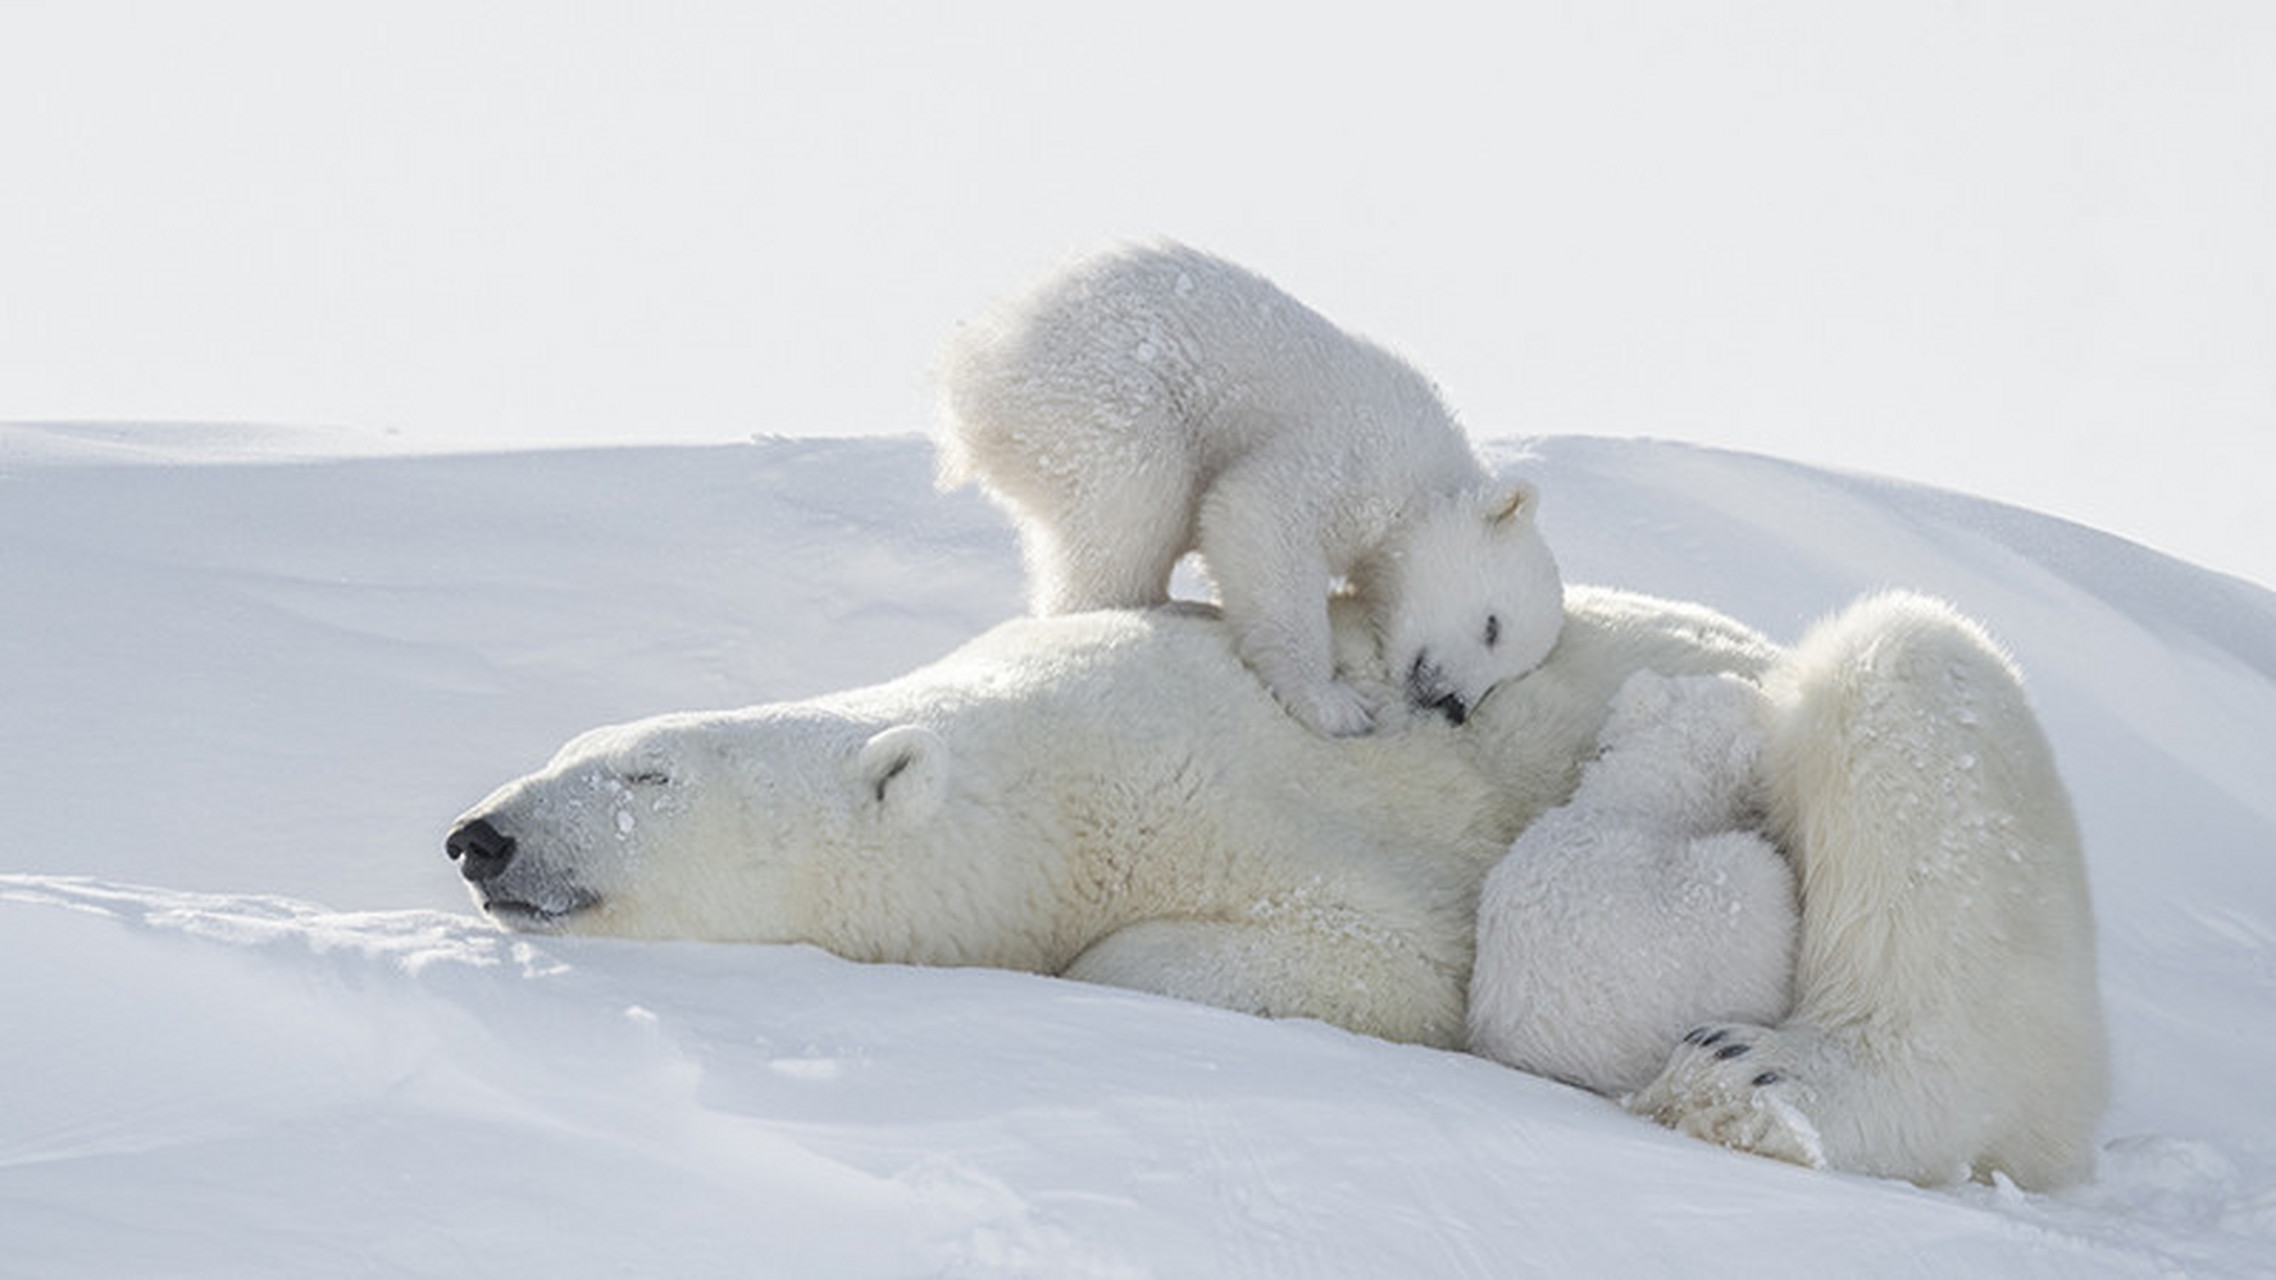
[(1740, 1087), (1333, 709)]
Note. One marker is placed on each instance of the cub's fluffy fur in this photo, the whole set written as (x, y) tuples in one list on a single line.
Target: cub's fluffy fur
[(1148, 401), (1645, 905)]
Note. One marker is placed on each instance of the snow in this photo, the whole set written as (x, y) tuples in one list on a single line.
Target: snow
[(256, 1030)]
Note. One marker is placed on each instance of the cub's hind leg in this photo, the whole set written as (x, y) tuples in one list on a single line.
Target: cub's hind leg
[(1103, 491), (1111, 544)]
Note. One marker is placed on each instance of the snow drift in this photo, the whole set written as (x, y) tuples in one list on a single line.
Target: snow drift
[(254, 1027)]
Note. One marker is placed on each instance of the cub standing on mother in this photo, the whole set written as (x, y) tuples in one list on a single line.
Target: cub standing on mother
[(1148, 401)]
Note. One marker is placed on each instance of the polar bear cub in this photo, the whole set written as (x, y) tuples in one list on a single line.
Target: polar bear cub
[(1147, 401), (1644, 906)]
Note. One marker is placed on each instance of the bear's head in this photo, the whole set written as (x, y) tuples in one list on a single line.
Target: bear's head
[(1466, 595), (695, 826), (1681, 748)]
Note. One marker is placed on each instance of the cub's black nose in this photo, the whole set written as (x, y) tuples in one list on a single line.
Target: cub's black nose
[(480, 850), (1427, 690)]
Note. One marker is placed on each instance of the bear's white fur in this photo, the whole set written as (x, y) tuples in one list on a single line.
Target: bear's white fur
[(1646, 904), (1151, 400), (1946, 1020), (1114, 797)]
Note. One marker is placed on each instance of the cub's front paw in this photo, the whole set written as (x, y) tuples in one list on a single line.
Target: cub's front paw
[(1332, 709), (1738, 1086)]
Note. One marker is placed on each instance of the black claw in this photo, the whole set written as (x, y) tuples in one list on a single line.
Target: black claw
[(1713, 1037), (1730, 1051), (1695, 1035), (1768, 1078)]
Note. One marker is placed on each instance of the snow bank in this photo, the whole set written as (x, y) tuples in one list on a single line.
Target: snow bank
[(239, 690)]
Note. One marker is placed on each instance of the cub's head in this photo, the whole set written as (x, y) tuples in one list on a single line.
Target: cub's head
[(1467, 596), (709, 826), (1685, 747)]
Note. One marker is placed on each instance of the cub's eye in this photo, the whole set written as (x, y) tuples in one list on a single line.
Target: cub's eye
[(648, 778), (1493, 629)]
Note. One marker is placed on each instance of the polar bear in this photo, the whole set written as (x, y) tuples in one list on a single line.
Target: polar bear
[(1111, 796), (1114, 797), (1151, 400), (1643, 906)]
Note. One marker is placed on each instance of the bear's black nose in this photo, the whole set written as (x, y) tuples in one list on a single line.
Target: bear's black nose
[(480, 850), (1427, 690)]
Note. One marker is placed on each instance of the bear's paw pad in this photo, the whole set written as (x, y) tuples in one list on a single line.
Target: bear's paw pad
[(1736, 1086)]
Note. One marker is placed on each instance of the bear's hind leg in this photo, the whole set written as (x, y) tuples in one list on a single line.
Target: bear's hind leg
[(1946, 1020), (1089, 456), (1114, 545), (1838, 1099)]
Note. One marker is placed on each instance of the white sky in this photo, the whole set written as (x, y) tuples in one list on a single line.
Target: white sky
[(2026, 250)]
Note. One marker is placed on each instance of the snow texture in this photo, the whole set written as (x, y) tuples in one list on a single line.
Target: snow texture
[(254, 1029)]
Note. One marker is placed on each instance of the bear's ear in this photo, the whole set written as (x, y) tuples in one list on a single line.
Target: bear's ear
[(1514, 506), (904, 772)]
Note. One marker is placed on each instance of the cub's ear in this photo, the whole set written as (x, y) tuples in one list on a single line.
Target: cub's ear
[(1514, 506), (904, 772)]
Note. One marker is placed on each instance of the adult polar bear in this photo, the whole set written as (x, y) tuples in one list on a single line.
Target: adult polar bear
[(1114, 797)]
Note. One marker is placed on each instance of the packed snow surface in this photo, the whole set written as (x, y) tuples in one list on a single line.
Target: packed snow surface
[(255, 1029)]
